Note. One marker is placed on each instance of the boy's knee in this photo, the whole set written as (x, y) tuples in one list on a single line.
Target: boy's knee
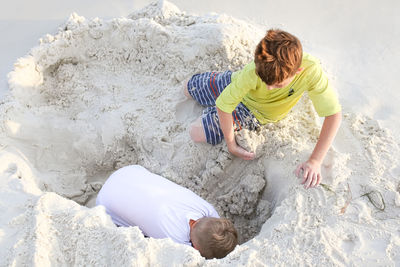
[(197, 133)]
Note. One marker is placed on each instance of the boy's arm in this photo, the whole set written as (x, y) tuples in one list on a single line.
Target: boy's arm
[(226, 123), (312, 167)]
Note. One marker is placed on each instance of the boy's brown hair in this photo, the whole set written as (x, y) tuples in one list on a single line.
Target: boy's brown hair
[(278, 56), (215, 237)]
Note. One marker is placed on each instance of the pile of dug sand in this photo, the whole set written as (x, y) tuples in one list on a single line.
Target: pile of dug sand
[(103, 94)]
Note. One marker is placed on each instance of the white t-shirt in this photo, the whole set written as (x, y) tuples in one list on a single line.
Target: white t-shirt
[(133, 196)]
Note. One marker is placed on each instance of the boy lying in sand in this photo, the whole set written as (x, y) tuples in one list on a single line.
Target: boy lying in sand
[(265, 91), (133, 196)]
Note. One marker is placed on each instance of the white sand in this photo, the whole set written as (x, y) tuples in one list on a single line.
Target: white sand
[(102, 94)]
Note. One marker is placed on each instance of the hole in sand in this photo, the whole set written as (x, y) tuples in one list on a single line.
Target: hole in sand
[(237, 195), (247, 199)]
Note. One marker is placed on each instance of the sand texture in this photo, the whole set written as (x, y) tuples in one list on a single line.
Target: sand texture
[(103, 94)]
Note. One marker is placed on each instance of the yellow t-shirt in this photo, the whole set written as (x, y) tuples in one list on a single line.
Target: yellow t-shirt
[(273, 105)]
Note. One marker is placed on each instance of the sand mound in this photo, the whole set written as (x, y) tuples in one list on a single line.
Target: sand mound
[(100, 95)]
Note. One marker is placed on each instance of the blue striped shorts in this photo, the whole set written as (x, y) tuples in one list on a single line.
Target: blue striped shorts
[(205, 88)]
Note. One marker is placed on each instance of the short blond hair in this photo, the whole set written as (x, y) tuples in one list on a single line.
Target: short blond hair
[(215, 237)]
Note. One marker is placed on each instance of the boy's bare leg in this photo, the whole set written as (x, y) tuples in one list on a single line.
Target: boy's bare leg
[(185, 89), (197, 131)]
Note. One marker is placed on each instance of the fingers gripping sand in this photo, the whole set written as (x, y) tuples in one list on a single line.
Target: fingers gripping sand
[(100, 95)]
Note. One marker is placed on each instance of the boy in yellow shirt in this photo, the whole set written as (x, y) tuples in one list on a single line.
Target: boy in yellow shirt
[(265, 91)]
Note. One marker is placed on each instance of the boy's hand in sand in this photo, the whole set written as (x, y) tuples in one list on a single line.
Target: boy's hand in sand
[(239, 151), (312, 167), (310, 173), (226, 122)]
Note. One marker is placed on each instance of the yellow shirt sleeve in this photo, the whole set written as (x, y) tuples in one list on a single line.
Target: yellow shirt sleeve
[(322, 95), (244, 81)]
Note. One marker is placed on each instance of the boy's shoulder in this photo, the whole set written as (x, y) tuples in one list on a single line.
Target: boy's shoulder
[(311, 65), (309, 61)]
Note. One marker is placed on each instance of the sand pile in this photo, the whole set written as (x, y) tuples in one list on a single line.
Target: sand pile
[(102, 94)]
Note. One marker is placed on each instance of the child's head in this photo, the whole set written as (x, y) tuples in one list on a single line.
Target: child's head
[(213, 237), (278, 58)]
